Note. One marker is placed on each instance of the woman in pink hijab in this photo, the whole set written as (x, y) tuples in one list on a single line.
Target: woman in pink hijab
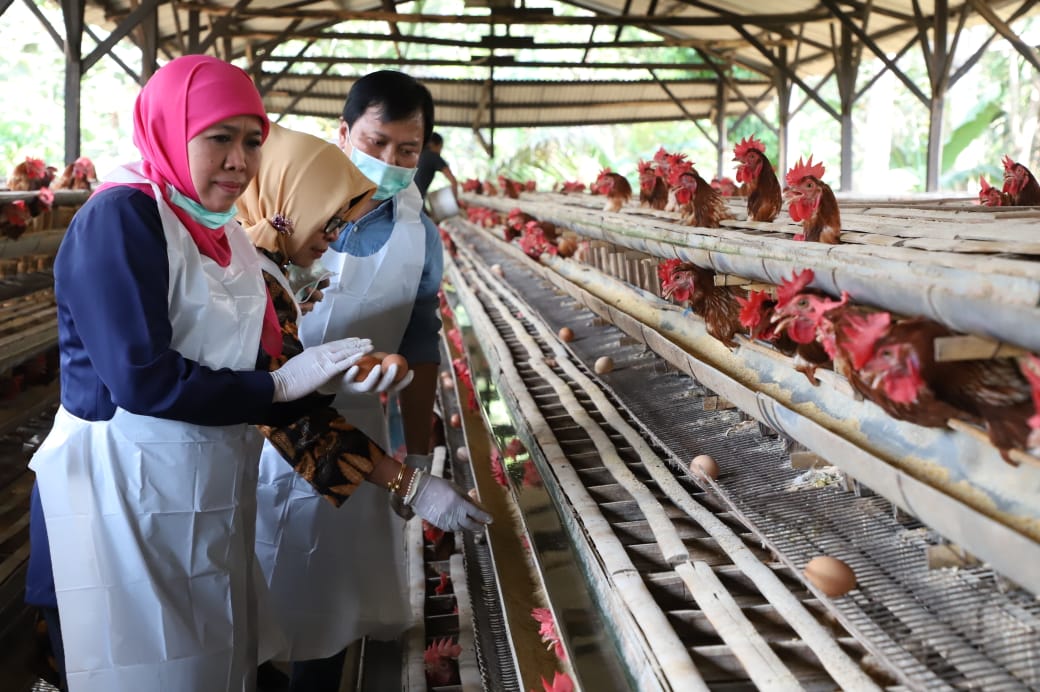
[(146, 485)]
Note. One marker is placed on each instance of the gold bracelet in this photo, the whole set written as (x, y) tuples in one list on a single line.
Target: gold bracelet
[(393, 485)]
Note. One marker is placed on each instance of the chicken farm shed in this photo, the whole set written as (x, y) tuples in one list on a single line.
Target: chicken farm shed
[(769, 437)]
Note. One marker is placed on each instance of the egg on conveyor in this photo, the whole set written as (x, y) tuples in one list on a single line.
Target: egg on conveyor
[(704, 465), (566, 334), (455, 420), (604, 364), (462, 454), (830, 575), (496, 269)]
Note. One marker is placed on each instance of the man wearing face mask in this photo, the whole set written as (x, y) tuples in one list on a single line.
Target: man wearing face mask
[(386, 271)]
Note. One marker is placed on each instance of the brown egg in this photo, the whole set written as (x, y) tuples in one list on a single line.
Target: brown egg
[(455, 421), (604, 364), (400, 361), (566, 334), (365, 366), (830, 575), (704, 465), (496, 269)]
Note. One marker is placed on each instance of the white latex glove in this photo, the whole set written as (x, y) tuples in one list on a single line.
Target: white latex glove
[(416, 461), (347, 383), (304, 373), (387, 384), (446, 506), (376, 382)]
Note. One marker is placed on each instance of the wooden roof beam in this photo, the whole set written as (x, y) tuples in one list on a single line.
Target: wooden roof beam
[(764, 20), (476, 62), (987, 13), (663, 42)]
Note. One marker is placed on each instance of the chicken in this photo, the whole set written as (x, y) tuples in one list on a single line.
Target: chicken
[(547, 631), (488, 188), (78, 175), (1019, 184), (530, 186), (900, 395), (14, 219), (653, 190), (698, 204), (31, 174), (764, 198), (440, 660), (716, 305), (510, 188), (561, 682), (798, 314), (615, 187), (899, 359), (812, 202), (1031, 369), (515, 222), (756, 315), (990, 196), (483, 216), (724, 186), (473, 185), (571, 186), (534, 241)]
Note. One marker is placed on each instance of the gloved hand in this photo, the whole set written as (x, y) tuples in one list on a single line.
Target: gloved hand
[(304, 373), (347, 383), (416, 461), (377, 381), (445, 505)]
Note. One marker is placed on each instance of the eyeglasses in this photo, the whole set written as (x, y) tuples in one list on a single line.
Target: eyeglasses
[(334, 226)]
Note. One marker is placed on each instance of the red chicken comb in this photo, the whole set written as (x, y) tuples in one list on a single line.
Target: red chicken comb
[(789, 288), (985, 184), (863, 332), (441, 648), (35, 168), (751, 312), (747, 144), (1008, 163), (803, 170), (645, 166), (561, 683), (661, 155)]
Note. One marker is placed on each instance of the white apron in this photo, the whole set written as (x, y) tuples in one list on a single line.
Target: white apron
[(150, 520), (338, 574)]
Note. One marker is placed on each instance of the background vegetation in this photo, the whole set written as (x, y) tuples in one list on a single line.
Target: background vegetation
[(990, 112)]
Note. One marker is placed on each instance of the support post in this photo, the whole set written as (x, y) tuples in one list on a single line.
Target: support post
[(72, 11)]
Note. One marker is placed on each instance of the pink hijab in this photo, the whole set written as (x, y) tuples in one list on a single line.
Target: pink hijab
[(183, 98)]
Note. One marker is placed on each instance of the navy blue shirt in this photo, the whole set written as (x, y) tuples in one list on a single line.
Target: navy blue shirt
[(420, 343), (111, 277), (429, 165)]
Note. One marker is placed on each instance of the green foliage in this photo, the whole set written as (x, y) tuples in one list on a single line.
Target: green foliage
[(979, 123)]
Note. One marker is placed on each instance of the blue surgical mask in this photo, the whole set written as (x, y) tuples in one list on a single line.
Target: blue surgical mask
[(209, 219), (389, 179)]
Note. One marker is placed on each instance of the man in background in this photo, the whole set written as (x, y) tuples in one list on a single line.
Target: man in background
[(430, 163)]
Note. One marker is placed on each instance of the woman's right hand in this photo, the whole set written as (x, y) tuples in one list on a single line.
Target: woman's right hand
[(306, 372)]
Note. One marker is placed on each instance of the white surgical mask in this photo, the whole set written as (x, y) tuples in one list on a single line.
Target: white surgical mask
[(389, 179)]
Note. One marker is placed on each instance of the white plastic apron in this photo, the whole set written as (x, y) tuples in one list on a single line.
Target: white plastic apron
[(337, 574), (150, 520)]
